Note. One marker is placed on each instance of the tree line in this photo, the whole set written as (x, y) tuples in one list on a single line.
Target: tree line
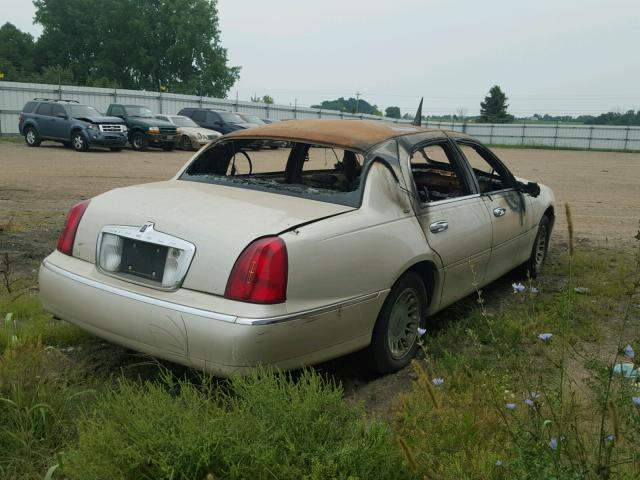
[(136, 44)]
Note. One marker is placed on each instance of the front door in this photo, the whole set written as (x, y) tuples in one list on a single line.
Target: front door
[(505, 206), (453, 217)]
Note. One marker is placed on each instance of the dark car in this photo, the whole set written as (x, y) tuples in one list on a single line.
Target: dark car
[(145, 130), (72, 124), (218, 120)]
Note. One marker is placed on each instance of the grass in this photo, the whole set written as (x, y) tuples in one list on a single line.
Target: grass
[(61, 415), (11, 138)]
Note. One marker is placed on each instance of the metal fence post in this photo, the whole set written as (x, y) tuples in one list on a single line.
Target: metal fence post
[(590, 137), (267, 110), (524, 125), (626, 138), (160, 101), (555, 137), (491, 135)]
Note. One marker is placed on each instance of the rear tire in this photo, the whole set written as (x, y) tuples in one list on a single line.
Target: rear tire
[(78, 142), (139, 142), (185, 143), (533, 266), (395, 336), (31, 137)]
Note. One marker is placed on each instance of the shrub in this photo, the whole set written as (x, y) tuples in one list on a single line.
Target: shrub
[(265, 425)]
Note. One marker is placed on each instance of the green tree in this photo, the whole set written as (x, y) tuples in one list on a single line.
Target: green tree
[(351, 105), (16, 53), (392, 112), (268, 99), (139, 44), (494, 107)]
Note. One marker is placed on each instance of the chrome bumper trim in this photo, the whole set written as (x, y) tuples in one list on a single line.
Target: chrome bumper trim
[(206, 313), (307, 313)]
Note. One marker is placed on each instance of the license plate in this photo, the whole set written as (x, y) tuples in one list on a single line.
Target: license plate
[(143, 259), (168, 137)]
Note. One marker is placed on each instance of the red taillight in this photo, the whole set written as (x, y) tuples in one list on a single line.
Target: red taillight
[(260, 273), (68, 235)]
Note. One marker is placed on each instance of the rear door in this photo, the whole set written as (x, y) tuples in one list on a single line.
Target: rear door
[(44, 120), (504, 204), (453, 217)]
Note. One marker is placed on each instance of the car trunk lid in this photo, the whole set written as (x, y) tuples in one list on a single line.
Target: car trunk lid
[(220, 221)]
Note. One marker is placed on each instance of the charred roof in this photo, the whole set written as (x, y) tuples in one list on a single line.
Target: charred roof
[(351, 134)]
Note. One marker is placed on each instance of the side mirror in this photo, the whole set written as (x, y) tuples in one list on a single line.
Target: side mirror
[(530, 188)]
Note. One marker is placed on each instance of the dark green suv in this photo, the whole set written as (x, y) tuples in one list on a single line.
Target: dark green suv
[(145, 130)]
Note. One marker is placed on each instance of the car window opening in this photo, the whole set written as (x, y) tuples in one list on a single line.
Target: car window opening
[(491, 178), (436, 176), (317, 172)]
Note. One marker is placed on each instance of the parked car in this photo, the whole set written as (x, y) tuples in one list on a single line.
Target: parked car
[(351, 238), (254, 120), (72, 124), (190, 134), (218, 120), (144, 129)]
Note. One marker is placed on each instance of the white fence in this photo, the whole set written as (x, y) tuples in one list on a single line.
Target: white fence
[(14, 95)]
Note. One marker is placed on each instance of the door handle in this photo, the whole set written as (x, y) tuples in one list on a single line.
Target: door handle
[(437, 227), (499, 211)]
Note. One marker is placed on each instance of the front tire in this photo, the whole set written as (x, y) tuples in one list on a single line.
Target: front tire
[(79, 143), (31, 137), (534, 265), (395, 336), (185, 143), (139, 142)]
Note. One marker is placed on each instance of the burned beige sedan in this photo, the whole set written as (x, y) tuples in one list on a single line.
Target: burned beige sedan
[(349, 238)]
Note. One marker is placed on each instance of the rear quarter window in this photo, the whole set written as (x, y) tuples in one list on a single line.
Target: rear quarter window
[(29, 107)]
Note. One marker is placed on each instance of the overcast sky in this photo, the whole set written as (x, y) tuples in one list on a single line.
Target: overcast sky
[(549, 56)]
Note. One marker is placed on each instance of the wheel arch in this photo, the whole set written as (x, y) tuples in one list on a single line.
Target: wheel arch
[(428, 272)]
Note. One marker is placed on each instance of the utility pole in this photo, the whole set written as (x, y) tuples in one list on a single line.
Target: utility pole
[(357, 100)]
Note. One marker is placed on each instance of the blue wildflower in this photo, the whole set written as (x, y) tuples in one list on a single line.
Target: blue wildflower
[(529, 402), (628, 351), (437, 381), (636, 401), (498, 463), (545, 337), (511, 406), (553, 443), (610, 438), (421, 331), (518, 287)]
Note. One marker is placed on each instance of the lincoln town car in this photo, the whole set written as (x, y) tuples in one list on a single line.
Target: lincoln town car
[(351, 237)]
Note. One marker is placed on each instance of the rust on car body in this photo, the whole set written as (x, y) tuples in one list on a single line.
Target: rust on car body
[(352, 134)]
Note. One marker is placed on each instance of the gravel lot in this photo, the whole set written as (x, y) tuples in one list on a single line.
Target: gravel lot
[(38, 185)]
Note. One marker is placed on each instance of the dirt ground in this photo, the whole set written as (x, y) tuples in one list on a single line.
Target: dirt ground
[(38, 185)]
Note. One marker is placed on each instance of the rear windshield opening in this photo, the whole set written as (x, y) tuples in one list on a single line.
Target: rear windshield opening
[(316, 172)]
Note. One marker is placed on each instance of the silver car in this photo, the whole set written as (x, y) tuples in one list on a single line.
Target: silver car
[(350, 238)]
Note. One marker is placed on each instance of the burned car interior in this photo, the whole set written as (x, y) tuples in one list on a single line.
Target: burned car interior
[(435, 175), (318, 172)]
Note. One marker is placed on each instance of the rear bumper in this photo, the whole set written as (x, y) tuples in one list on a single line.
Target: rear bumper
[(222, 343)]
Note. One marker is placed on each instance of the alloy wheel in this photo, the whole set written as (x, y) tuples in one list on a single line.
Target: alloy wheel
[(403, 323)]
